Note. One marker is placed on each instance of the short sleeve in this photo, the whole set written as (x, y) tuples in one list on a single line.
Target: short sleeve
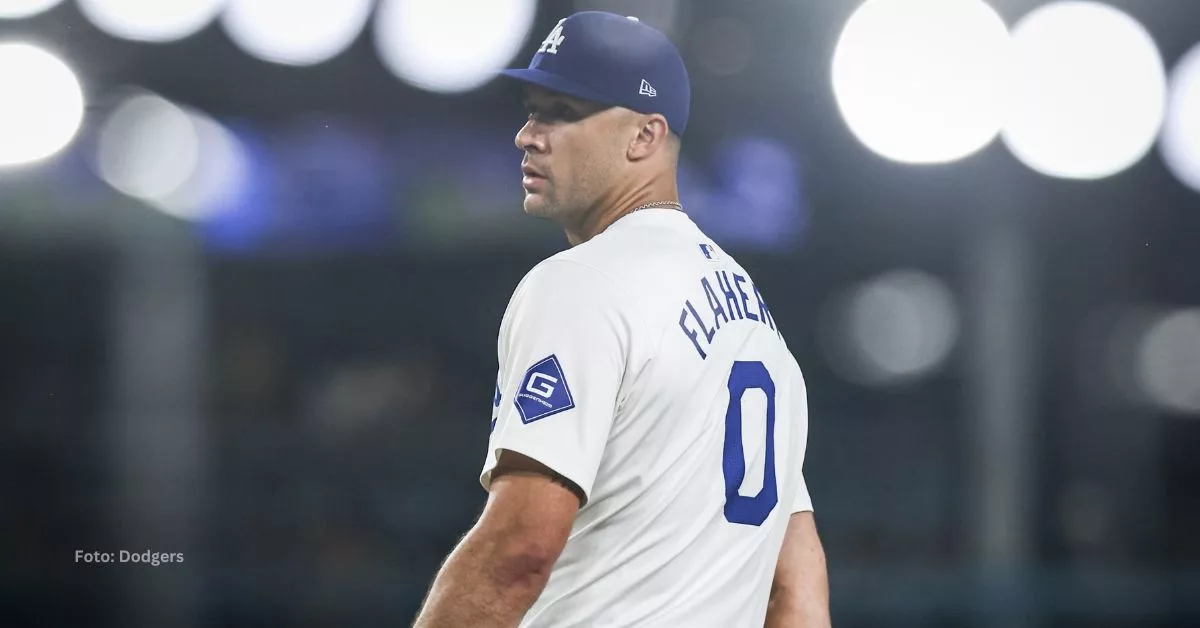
[(562, 353), (802, 502)]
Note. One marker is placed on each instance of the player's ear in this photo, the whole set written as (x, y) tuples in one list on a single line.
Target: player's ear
[(651, 137)]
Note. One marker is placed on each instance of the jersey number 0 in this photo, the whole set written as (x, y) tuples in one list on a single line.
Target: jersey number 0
[(740, 508)]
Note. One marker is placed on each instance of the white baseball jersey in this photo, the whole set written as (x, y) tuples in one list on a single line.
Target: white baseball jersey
[(645, 366)]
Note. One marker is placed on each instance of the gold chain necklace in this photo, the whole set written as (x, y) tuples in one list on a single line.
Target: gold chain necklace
[(653, 204)]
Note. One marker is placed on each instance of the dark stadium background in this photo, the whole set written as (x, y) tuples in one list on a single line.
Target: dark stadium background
[(295, 395)]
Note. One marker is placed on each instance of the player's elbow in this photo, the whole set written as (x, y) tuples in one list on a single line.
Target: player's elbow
[(782, 611), (785, 595), (523, 564)]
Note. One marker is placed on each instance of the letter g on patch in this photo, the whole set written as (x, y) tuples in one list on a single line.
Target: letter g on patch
[(544, 391)]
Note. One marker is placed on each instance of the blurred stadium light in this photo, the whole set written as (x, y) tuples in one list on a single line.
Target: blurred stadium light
[(148, 148), (428, 43), (728, 48), (177, 160), (668, 16), (295, 32), (892, 329), (1089, 92), (41, 106), (151, 20), (922, 81), (17, 9), (755, 200), (1106, 345), (1180, 144), (326, 184), (1168, 361), (220, 175), (326, 467)]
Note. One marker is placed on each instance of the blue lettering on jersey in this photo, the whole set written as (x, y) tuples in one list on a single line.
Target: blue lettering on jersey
[(762, 309), (495, 404), (738, 280), (736, 299), (690, 333), (714, 303), (543, 391), (709, 332), (731, 301)]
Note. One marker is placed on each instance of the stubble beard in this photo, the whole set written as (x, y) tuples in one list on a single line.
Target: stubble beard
[(549, 205), (539, 206)]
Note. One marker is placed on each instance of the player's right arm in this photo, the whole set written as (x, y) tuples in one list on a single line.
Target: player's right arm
[(562, 353), (800, 590)]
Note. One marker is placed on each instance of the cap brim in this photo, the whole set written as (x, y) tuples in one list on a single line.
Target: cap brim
[(556, 83)]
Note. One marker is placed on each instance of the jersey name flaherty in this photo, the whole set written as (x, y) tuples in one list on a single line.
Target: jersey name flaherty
[(730, 301)]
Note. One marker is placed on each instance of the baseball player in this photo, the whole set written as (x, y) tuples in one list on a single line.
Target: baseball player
[(649, 422)]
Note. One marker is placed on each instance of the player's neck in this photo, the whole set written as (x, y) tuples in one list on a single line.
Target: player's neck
[(609, 210)]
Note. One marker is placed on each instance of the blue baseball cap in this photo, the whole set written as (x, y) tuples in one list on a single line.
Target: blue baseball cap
[(613, 60)]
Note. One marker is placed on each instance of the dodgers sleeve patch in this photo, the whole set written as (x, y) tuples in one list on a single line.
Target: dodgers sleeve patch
[(543, 391)]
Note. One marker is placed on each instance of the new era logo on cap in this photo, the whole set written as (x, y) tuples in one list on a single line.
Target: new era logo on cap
[(647, 89)]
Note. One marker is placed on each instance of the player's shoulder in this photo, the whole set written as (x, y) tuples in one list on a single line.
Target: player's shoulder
[(565, 275), (602, 259), (639, 246), (639, 259), (591, 274)]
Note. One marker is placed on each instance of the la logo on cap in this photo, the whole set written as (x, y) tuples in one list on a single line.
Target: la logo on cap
[(554, 39)]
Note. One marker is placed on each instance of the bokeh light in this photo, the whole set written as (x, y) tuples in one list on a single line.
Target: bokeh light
[(892, 329), (148, 147), (151, 20), (1180, 144), (429, 44), (17, 9), (1167, 367), (922, 81), (219, 178), (1089, 91), (176, 159), (41, 107), (762, 178), (295, 32)]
